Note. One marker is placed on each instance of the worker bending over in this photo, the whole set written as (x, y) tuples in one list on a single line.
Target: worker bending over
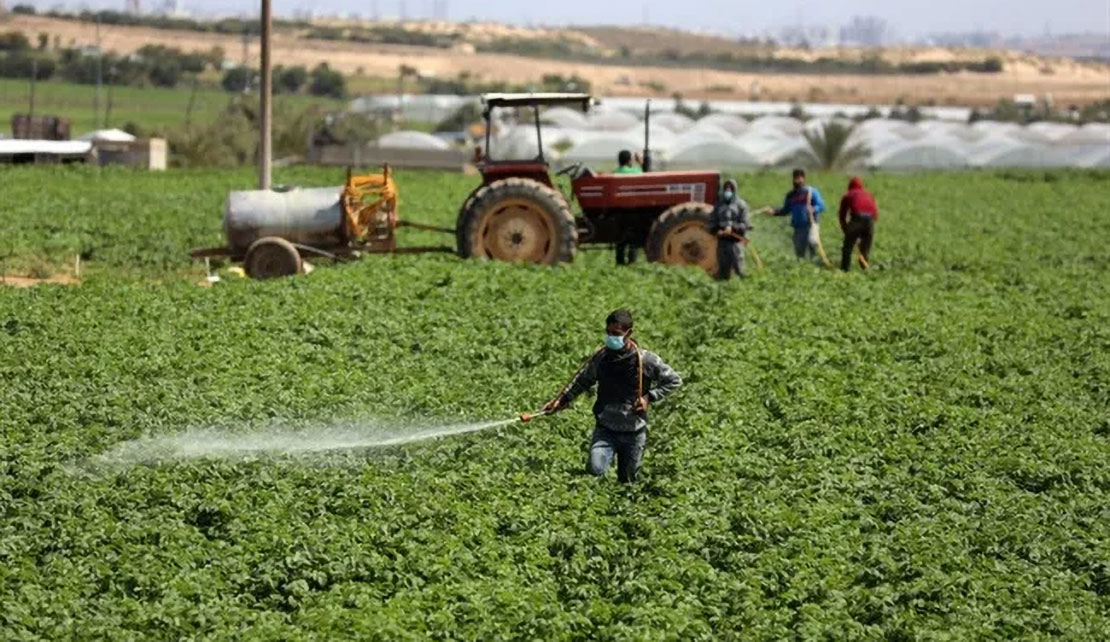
[(731, 223), (858, 214), (629, 379)]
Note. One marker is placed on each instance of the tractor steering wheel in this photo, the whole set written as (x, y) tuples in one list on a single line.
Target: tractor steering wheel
[(570, 170)]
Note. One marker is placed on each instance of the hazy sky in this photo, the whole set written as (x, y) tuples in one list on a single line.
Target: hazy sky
[(906, 17)]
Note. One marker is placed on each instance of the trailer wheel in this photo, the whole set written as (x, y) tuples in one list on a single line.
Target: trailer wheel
[(681, 236), (270, 257), (517, 219)]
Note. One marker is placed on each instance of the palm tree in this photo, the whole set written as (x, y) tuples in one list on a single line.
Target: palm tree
[(832, 148)]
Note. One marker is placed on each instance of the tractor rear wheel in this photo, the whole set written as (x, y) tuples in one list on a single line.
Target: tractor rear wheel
[(460, 220), (681, 236), (517, 219), (272, 256)]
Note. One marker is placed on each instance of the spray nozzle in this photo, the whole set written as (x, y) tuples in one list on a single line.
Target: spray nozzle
[(529, 416)]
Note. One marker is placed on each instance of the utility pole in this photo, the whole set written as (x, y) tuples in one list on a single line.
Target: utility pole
[(108, 108), (34, 78), (265, 91), (99, 76)]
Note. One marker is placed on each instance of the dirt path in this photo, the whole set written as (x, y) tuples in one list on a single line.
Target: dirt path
[(30, 281), (1068, 82)]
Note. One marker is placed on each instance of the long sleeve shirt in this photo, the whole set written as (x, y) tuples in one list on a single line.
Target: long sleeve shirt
[(797, 202), (732, 214), (616, 374), (857, 201)]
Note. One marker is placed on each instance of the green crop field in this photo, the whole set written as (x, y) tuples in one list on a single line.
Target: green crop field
[(917, 452), (152, 108)]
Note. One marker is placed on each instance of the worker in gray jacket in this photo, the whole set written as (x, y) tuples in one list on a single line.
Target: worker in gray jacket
[(629, 379), (730, 222)]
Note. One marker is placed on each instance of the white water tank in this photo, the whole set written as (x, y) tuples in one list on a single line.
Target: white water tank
[(310, 216)]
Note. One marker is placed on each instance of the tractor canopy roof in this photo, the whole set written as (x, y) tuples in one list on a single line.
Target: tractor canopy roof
[(493, 101)]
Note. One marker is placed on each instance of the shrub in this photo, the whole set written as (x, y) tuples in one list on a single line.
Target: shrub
[(165, 73), (21, 65), (289, 80), (14, 41), (239, 79), (327, 82), (465, 115)]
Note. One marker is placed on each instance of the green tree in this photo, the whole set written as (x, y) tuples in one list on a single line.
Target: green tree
[(327, 82), (832, 147), (14, 41), (465, 115), (165, 73), (289, 80), (238, 79), (21, 65)]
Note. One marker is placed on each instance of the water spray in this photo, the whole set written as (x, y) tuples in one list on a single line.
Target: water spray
[(282, 440)]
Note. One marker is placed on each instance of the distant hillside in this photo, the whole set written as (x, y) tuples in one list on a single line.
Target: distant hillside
[(616, 61)]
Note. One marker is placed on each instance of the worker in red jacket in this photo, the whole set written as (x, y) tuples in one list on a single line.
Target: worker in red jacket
[(858, 213)]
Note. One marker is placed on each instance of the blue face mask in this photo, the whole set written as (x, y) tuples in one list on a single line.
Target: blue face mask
[(614, 342), (728, 195)]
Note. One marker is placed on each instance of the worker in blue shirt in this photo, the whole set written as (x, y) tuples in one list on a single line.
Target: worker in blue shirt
[(804, 205)]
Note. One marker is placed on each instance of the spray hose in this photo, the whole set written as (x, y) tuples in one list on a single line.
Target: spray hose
[(526, 417), (751, 246), (816, 229)]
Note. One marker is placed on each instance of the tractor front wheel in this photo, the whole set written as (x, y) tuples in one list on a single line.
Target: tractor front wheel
[(517, 219), (272, 256), (681, 236)]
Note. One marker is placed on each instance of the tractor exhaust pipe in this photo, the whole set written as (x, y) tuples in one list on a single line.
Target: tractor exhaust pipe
[(646, 164)]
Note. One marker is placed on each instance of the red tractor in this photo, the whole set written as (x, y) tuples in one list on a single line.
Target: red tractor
[(518, 214)]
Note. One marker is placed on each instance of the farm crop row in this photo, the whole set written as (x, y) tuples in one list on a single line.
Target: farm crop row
[(920, 451)]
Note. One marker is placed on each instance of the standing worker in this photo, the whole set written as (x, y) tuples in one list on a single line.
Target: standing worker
[(804, 205), (858, 214), (628, 380), (626, 246), (731, 223)]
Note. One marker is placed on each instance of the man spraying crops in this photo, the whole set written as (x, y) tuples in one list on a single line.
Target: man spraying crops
[(858, 213), (804, 205), (731, 223), (629, 379)]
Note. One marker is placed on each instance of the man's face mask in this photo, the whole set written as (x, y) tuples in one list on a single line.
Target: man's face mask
[(728, 194), (614, 341)]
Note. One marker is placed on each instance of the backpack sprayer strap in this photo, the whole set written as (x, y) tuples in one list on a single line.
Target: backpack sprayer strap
[(566, 387), (639, 370), (601, 349)]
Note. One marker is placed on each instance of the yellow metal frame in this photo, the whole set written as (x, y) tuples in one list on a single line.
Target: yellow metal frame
[(370, 209)]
